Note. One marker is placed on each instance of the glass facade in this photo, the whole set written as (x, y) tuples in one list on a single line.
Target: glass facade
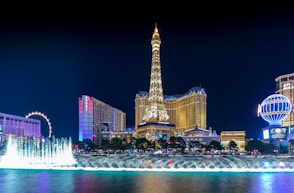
[(85, 118), (93, 113)]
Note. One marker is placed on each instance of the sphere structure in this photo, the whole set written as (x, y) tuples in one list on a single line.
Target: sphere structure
[(275, 108)]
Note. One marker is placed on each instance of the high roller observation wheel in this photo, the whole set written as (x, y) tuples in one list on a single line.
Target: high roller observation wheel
[(45, 117)]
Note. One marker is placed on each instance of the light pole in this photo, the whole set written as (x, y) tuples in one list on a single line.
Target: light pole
[(280, 147)]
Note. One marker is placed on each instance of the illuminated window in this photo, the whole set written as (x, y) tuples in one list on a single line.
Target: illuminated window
[(284, 79)]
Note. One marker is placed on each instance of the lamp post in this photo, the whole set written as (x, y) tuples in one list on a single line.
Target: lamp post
[(280, 147), (276, 152)]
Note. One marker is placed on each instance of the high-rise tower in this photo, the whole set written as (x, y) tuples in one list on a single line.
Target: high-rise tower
[(155, 119), (93, 114), (285, 86), (155, 110)]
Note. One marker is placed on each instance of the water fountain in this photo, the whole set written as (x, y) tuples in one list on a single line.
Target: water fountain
[(57, 154), (187, 164), (31, 153)]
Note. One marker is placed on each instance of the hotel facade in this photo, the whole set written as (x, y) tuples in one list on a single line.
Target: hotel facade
[(285, 86), (18, 126), (161, 116), (94, 115), (186, 111)]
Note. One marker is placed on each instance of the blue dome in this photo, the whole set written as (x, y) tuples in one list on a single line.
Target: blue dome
[(275, 108)]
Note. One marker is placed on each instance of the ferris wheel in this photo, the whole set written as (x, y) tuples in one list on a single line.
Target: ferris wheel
[(44, 117)]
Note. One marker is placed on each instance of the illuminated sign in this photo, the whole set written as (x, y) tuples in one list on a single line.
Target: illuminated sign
[(287, 86), (266, 134), (291, 129), (278, 132)]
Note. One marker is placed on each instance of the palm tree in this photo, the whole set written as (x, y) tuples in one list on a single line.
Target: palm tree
[(254, 145), (116, 143), (215, 145), (162, 143), (142, 143), (105, 143), (291, 146), (232, 145)]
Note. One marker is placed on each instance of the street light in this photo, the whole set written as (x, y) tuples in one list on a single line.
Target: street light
[(276, 152)]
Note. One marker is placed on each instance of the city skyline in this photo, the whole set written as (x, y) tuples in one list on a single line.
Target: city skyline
[(47, 64)]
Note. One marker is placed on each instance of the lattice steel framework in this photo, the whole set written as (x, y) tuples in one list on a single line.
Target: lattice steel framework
[(45, 117), (275, 108), (155, 111)]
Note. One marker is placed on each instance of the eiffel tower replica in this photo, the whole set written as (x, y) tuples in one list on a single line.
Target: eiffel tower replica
[(155, 123)]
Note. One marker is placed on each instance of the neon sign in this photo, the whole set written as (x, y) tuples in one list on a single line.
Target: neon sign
[(278, 133)]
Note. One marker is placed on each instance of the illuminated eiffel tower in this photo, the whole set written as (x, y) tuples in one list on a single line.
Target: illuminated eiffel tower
[(156, 118), (156, 110)]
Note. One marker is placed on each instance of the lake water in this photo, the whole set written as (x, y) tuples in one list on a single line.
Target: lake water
[(76, 181)]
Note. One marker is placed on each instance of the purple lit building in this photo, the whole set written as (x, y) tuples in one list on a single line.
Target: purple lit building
[(18, 126), (94, 115)]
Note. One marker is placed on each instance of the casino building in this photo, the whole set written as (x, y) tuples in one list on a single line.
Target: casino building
[(285, 86), (275, 109), (160, 116), (96, 116), (18, 126), (187, 110)]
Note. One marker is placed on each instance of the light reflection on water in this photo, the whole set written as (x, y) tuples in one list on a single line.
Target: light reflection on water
[(55, 181)]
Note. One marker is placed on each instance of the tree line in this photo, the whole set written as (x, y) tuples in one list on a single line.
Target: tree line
[(179, 144)]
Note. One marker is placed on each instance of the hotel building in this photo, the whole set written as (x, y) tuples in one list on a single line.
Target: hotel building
[(285, 86), (18, 126), (94, 115), (159, 116), (187, 110)]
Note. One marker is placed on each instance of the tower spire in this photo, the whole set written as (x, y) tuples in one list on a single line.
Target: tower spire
[(155, 111)]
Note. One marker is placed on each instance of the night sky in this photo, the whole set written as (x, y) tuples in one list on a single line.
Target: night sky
[(48, 60)]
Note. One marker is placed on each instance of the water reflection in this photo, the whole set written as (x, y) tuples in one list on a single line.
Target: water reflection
[(31, 181), (51, 181), (269, 182)]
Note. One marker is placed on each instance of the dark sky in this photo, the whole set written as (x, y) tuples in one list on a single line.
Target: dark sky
[(50, 59)]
